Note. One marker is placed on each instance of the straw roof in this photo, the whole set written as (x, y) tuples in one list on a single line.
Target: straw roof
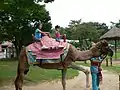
[(112, 34)]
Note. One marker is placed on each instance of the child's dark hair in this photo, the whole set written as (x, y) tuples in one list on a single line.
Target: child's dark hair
[(38, 24), (57, 26)]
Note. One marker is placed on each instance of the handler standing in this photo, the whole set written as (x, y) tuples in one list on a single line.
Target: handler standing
[(96, 72)]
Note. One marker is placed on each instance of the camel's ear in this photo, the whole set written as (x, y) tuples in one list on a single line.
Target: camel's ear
[(102, 43), (99, 44)]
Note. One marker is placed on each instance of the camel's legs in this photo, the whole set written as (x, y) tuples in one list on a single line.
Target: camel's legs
[(19, 81), (64, 78), (85, 70), (23, 68), (20, 77)]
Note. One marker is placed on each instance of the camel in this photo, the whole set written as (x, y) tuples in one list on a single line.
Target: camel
[(73, 55)]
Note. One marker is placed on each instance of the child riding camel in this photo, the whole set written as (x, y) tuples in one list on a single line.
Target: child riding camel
[(39, 34), (58, 35)]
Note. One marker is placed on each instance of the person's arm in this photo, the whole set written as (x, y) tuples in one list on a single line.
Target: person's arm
[(95, 60), (39, 31), (43, 32)]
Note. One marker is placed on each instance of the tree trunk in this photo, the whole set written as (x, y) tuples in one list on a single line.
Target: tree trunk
[(111, 61), (115, 49), (17, 48)]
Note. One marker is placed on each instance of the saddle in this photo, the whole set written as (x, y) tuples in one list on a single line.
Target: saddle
[(52, 52)]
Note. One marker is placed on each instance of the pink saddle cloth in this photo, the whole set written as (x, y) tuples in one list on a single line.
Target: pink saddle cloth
[(53, 51)]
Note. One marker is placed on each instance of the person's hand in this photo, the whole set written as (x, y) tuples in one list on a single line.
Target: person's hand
[(100, 69), (32, 35), (45, 34)]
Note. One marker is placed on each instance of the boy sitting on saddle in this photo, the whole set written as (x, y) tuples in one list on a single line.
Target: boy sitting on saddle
[(39, 34), (57, 34)]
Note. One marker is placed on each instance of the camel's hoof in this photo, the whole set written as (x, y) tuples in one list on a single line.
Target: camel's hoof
[(87, 89), (87, 72), (87, 86)]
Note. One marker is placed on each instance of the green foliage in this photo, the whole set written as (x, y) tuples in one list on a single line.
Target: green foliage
[(118, 55), (16, 17), (85, 32), (115, 24), (89, 30), (76, 44)]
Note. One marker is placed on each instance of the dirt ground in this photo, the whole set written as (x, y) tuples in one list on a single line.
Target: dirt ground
[(110, 82)]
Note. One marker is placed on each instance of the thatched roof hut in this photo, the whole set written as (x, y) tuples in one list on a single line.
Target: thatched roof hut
[(113, 34)]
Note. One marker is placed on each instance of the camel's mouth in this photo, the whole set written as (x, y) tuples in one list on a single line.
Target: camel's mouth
[(105, 50), (110, 52)]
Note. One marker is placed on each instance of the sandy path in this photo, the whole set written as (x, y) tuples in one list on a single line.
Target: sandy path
[(78, 83)]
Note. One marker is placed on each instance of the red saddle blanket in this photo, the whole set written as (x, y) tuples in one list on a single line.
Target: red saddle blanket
[(53, 51)]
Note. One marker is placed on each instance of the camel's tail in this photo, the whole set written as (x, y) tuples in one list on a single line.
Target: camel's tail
[(23, 62)]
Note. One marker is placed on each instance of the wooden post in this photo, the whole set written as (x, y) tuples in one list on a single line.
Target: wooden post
[(12, 51), (119, 81), (106, 62), (9, 52), (6, 52), (111, 61), (115, 49)]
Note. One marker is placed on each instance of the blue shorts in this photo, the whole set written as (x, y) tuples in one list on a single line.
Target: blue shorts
[(38, 36), (58, 39)]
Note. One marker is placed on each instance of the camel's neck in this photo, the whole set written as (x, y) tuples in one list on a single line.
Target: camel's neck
[(76, 55), (83, 55)]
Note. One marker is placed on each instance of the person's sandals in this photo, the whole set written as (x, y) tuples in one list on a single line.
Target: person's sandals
[(44, 47), (60, 46)]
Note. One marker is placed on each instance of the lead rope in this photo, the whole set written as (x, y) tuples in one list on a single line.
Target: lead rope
[(63, 64)]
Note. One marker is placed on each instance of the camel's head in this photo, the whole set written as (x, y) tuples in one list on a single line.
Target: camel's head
[(100, 48)]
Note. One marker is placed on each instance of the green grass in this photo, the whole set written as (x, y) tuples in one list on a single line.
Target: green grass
[(118, 55), (115, 68), (8, 72)]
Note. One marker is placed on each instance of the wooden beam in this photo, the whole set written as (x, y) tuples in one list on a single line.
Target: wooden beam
[(115, 49)]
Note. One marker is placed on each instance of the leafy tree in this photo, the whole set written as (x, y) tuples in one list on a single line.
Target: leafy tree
[(85, 32), (16, 19), (81, 30), (115, 24), (71, 28), (101, 27)]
